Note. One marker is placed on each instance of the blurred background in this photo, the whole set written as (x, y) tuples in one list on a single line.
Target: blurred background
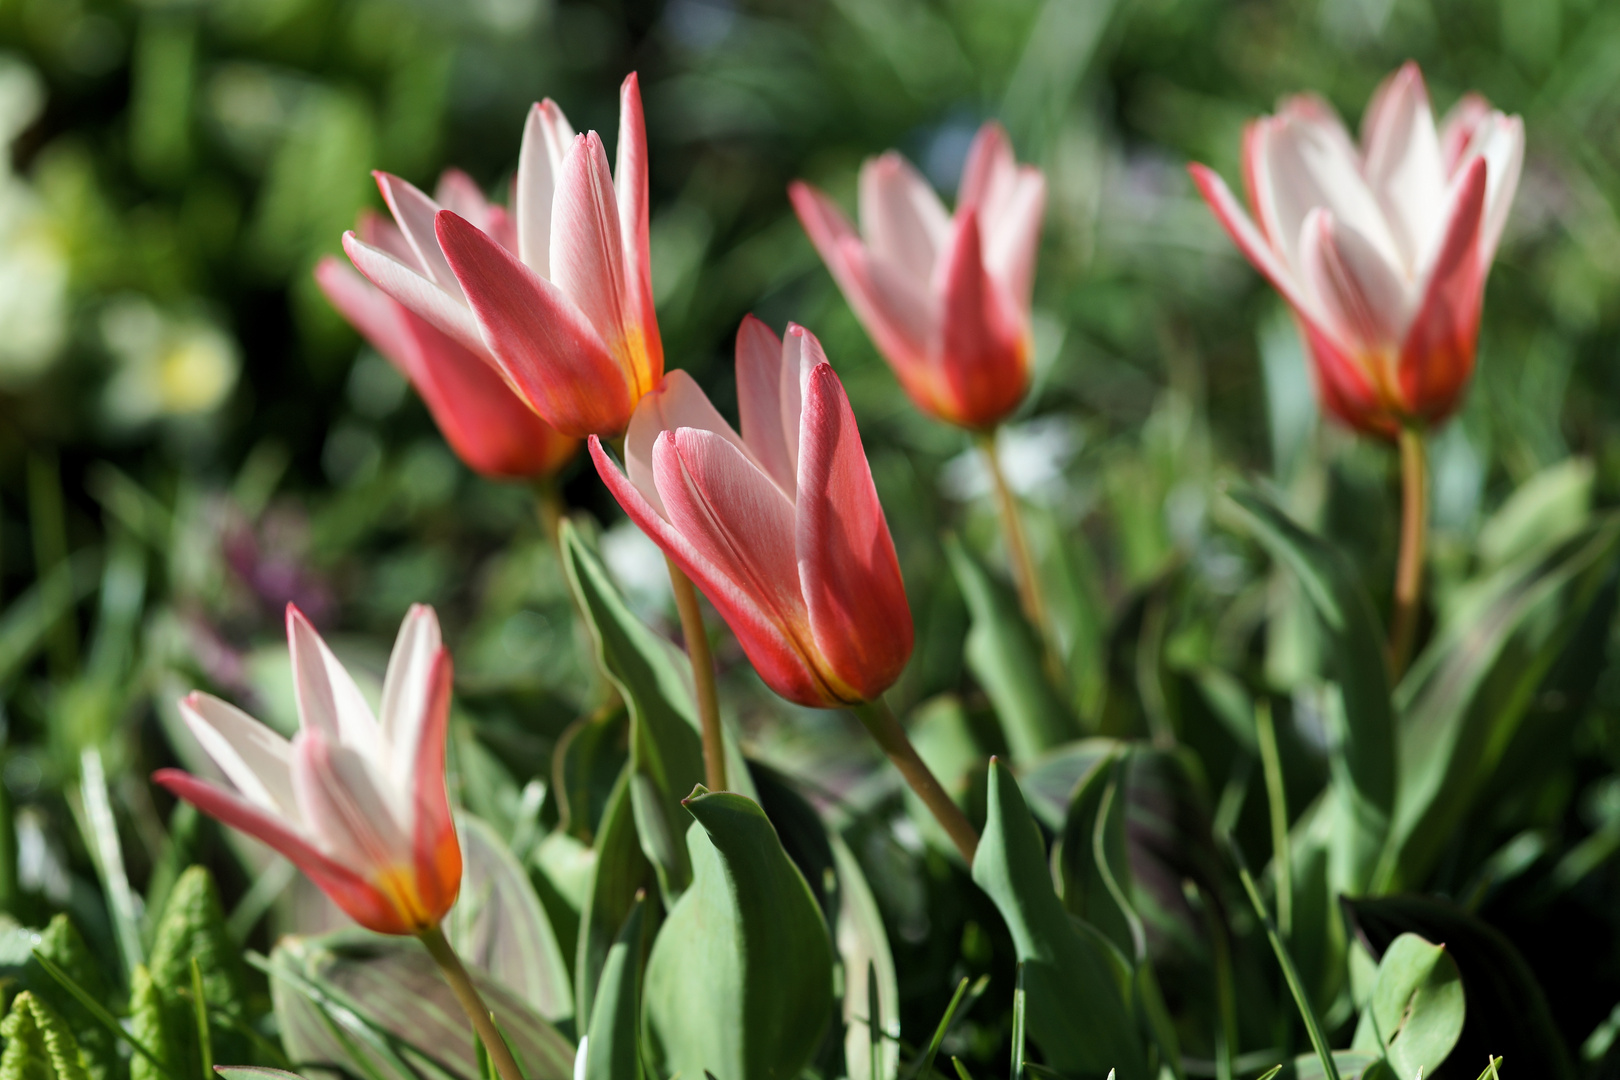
[(190, 436)]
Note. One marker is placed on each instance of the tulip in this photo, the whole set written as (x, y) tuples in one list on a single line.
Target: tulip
[(560, 291), (946, 299), (488, 426), (359, 806), (1382, 250), (780, 527)]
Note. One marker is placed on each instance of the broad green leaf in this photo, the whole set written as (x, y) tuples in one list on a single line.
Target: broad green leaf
[(1050, 783), (1464, 700), (739, 983), (1084, 888), (612, 1049), (149, 1022), (39, 1045), (61, 944), (1350, 1063), (499, 926), (1416, 1010), (391, 988), (863, 949), (619, 871), (254, 1072), (1507, 1013), (1004, 654), (1363, 726), (1078, 985), (193, 926), (1548, 507), (586, 764)]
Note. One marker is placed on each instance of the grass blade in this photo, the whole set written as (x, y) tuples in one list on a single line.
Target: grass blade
[(961, 1002), (1017, 1068), (1277, 803), (101, 836), (99, 1012), (199, 1002)]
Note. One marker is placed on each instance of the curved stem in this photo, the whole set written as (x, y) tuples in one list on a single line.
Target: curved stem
[(1023, 563), (472, 1003), (708, 699), (880, 720), (1414, 538)]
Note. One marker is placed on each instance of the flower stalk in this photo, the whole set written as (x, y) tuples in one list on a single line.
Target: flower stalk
[(1030, 597), (708, 698), (471, 1001), (879, 719), (1414, 541)]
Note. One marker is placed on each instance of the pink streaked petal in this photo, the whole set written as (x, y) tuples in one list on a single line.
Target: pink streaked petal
[(1403, 165), (414, 291), (348, 889), (1437, 357), (903, 221), (348, 807), (252, 756), (460, 194), (546, 138), (438, 854), (677, 402), (982, 355), (848, 570), (1365, 300), (1012, 235), (415, 212), (990, 169), (777, 658), (407, 688), (548, 350), (630, 190), (369, 311), (1248, 238), (762, 379), (328, 700), (1344, 386), (1306, 164), (587, 256), (381, 232), (898, 310), (1500, 141), (1458, 128)]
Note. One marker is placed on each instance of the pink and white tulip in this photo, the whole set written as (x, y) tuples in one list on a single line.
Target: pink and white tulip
[(781, 526), (488, 426), (945, 298), (359, 805), (1382, 250), (559, 292)]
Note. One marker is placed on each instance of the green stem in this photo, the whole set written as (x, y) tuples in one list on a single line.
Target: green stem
[(708, 698), (1414, 539), (880, 720), (1277, 802), (472, 1003), (1023, 563)]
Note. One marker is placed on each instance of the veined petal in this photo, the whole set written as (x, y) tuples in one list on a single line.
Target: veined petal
[(763, 378), (381, 232), (1403, 164), (349, 890), (253, 757), (460, 194), (1437, 357), (1365, 299), (438, 853), (848, 570), (548, 350), (780, 661), (415, 212), (630, 191), (328, 700), (407, 690), (546, 138), (903, 221), (983, 358), (677, 402), (413, 290), (348, 808)]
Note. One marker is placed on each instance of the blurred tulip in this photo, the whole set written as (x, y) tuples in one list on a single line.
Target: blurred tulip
[(359, 806), (780, 527), (559, 291), (945, 298), (1382, 250), (490, 428)]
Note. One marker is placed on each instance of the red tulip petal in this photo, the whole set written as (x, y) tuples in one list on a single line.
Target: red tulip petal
[(413, 290), (990, 169), (984, 364), (768, 403), (1437, 357), (677, 402), (415, 212), (328, 700), (630, 191), (438, 853)]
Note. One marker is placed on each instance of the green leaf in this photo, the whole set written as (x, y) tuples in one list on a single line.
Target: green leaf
[(39, 1045), (1363, 727), (193, 926), (1004, 654), (613, 1048), (62, 945), (1548, 507), (1416, 1010), (739, 982), (1081, 879), (619, 872), (149, 1024), (1078, 985), (871, 987)]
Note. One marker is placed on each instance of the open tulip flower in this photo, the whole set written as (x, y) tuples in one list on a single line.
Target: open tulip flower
[(358, 805), (1382, 250), (488, 426), (946, 299), (780, 527), (559, 292)]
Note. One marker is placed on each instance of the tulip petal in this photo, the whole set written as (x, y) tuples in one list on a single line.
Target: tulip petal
[(546, 138), (380, 231), (413, 290), (778, 659), (549, 352), (328, 700), (1438, 354), (253, 756), (1459, 127), (1364, 298), (1248, 238), (850, 575), (587, 256), (369, 311), (438, 853), (1403, 166), (1011, 229), (349, 890), (983, 359), (990, 170), (460, 194), (407, 690), (1500, 141), (903, 221), (415, 212), (677, 402), (345, 803), (630, 191), (764, 403)]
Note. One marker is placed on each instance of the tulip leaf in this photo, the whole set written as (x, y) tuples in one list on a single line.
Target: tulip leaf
[(39, 1045), (1004, 653), (613, 1049), (149, 1025), (62, 945), (499, 926), (618, 872), (1078, 985), (1507, 1013), (1362, 720), (1082, 881), (871, 987), (193, 928), (739, 982), (1415, 1014)]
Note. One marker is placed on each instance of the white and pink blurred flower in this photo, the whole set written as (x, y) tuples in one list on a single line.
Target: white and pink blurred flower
[(946, 298), (1382, 249), (360, 806), (559, 291)]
